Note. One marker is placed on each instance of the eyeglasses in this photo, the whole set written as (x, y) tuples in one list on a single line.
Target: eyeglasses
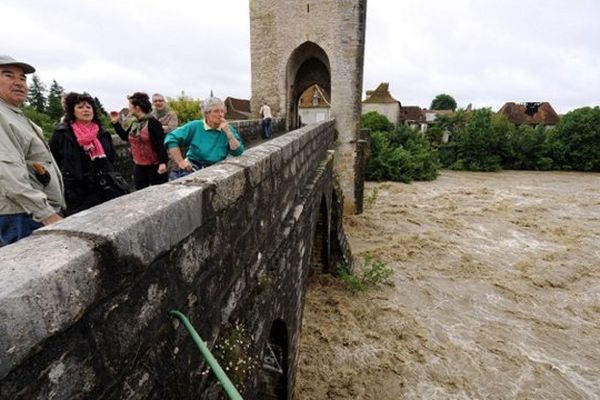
[(158, 101)]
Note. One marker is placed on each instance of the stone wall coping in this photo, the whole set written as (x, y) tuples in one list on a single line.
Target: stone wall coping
[(142, 224)]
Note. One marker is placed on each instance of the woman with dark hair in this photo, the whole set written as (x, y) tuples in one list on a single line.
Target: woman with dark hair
[(146, 137), (84, 153)]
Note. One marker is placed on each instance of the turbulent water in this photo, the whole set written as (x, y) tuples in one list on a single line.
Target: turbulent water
[(496, 296)]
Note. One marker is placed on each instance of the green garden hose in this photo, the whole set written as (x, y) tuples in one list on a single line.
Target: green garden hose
[(210, 359)]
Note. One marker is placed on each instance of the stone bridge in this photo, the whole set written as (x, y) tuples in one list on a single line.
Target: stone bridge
[(84, 303)]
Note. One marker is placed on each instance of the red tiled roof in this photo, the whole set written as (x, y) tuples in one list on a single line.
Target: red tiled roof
[(237, 108), (540, 113), (411, 113)]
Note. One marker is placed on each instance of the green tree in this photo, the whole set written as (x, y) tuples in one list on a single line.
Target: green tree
[(105, 121), (403, 155), (576, 140), (376, 122), (452, 123), (435, 135), (443, 102), (479, 145), (37, 94), (186, 108), (100, 107), (42, 120), (55, 109), (527, 148)]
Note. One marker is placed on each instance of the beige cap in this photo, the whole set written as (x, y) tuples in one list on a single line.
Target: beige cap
[(8, 60)]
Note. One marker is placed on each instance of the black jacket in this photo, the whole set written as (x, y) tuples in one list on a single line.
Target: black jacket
[(72, 160), (82, 188)]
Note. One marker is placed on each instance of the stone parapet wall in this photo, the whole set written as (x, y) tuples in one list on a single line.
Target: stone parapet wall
[(84, 303)]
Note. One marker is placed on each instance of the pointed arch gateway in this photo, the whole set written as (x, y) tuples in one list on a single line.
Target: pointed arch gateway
[(307, 65), (294, 44)]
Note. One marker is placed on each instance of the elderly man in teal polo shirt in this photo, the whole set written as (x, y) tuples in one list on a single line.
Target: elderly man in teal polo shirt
[(208, 141)]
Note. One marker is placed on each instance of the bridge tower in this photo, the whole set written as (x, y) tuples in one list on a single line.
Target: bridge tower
[(297, 43)]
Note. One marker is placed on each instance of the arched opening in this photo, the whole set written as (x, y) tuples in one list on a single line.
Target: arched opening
[(274, 373), (308, 65), (320, 248)]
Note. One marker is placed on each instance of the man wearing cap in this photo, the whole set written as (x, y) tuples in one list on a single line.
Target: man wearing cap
[(31, 186)]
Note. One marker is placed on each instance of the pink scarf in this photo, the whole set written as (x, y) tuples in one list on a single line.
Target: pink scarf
[(87, 137)]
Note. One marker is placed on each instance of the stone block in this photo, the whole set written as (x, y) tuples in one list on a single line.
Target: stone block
[(47, 284), (227, 179), (256, 162)]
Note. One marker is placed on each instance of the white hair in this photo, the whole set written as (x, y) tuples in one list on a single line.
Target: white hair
[(212, 102)]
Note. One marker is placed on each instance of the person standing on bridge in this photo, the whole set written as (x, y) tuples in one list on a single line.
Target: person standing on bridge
[(145, 136), (208, 141), (169, 121), (31, 185), (84, 152), (267, 120)]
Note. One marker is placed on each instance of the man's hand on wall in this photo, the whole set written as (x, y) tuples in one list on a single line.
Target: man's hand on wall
[(52, 219)]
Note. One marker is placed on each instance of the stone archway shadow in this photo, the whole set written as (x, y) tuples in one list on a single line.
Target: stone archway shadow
[(274, 372)]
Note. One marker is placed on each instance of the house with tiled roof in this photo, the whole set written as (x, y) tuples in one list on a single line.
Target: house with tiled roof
[(237, 109), (381, 100), (532, 113), (314, 105), (412, 116)]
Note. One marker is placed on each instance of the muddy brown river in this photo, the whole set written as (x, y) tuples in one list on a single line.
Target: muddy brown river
[(496, 296)]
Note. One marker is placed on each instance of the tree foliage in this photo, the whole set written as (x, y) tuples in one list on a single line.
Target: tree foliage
[(41, 119), (489, 142), (55, 108), (452, 123), (376, 122), (575, 142), (100, 107), (443, 102), (479, 146), (186, 108), (528, 148), (401, 155), (37, 94)]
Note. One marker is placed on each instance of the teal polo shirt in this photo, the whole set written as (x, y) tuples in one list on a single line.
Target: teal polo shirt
[(205, 145)]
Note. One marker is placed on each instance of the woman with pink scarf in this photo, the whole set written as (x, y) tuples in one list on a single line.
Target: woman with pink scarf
[(84, 152)]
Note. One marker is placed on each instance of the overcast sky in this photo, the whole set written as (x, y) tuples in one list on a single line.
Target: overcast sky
[(482, 52)]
